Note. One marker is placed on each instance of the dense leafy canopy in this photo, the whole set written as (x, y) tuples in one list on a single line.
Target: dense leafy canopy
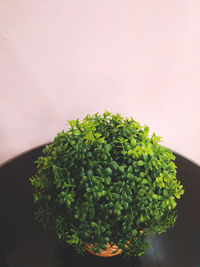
[(104, 180)]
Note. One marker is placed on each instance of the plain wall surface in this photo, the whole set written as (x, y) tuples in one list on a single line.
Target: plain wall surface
[(60, 60)]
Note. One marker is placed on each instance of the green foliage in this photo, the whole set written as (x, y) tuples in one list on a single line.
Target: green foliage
[(105, 180)]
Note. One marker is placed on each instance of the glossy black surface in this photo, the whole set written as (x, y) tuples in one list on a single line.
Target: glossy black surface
[(23, 242)]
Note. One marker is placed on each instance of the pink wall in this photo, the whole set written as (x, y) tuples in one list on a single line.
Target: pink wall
[(60, 60)]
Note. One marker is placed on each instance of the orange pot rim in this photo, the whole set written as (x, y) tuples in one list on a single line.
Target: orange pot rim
[(109, 252)]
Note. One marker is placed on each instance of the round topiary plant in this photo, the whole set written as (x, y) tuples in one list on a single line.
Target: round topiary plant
[(105, 181)]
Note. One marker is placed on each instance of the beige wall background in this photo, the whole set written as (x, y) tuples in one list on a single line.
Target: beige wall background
[(60, 60)]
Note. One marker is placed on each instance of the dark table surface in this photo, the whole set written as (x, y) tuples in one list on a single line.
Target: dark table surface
[(24, 243)]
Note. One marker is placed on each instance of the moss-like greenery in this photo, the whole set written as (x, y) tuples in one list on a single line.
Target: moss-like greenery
[(104, 180)]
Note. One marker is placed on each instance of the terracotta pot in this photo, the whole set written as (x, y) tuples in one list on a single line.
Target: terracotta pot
[(109, 251), (105, 253)]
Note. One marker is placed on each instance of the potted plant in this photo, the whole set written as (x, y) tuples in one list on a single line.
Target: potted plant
[(104, 185)]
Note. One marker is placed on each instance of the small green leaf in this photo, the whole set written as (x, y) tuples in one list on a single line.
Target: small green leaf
[(93, 224), (76, 132), (108, 171), (99, 194), (90, 172), (89, 154), (132, 185), (108, 147), (140, 163), (130, 152), (121, 168), (88, 189), (108, 180), (133, 141), (130, 175), (155, 196), (117, 212), (101, 140), (103, 193), (130, 169), (145, 181)]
